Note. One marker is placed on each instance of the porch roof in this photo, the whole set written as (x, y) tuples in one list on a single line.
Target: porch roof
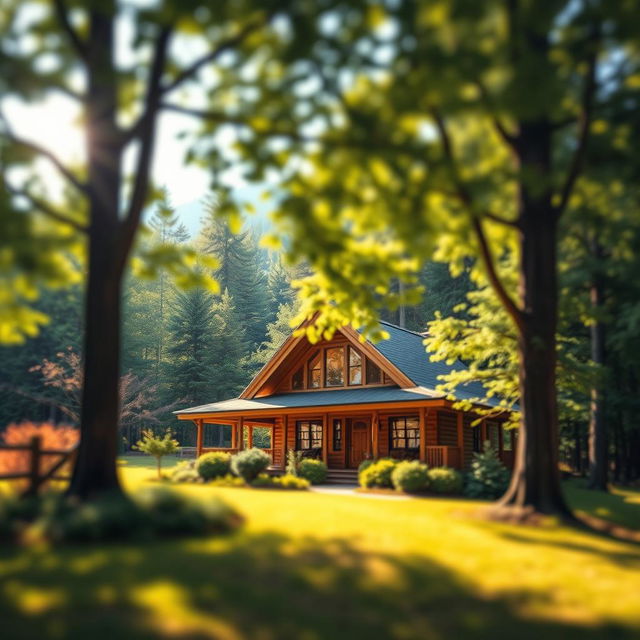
[(303, 399)]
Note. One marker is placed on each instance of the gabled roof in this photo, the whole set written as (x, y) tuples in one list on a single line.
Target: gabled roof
[(403, 354)]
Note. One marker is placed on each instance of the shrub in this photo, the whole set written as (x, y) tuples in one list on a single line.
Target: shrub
[(157, 446), (156, 512), (292, 482), (294, 458), (51, 437), (445, 480), (378, 474), (280, 482), (410, 476), (213, 465), (248, 464), (185, 471), (488, 477), (315, 471), (228, 481), (365, 464)]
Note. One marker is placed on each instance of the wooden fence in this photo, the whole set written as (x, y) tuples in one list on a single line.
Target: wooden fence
[(35, 476)]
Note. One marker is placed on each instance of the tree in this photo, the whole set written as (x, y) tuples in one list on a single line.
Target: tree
[(158, 447), (240, 272), (191, 364), (82, 44), (465, 130)]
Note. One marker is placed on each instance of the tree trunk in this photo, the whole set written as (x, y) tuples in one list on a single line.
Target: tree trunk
[(95, 469), (577, 448), (598, 447), (535, 483)]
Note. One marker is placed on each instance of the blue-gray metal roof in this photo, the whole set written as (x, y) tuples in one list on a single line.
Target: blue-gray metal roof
[(301, 399), (405, 350)]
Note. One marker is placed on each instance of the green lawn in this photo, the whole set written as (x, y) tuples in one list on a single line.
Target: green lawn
[(311, 565)]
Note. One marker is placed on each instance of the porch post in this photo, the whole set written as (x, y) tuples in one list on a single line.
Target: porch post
[(423, 435), (375, 435), (325, 438), (460, 417), (198, 437), (285, 439), (250, 436), (240, 428)]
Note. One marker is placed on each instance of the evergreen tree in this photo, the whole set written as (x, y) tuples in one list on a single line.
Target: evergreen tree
[(191, 366), (240, 273), (229, 351)]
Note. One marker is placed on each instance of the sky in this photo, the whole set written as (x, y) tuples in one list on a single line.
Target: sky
[(54, 123)]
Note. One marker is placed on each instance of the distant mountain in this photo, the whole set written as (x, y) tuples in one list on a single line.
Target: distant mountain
[(191, 213)]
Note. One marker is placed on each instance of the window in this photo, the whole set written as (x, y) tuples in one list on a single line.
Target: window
[(492, 435), (337, 434), (297, 380), (315, 377), (507, 440), (334, 363), (374, 375), (355, 367), (404, 432), (477, 439), (308, 434)]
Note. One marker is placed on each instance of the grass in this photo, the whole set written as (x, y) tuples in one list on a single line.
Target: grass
[(315, 566)]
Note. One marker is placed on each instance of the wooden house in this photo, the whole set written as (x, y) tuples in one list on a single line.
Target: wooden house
[(344, 401)]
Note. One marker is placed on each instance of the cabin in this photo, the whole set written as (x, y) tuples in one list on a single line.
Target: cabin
[(344, 401)]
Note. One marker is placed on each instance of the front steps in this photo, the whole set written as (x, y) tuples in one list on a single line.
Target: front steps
[(334, 476), (342, 476)]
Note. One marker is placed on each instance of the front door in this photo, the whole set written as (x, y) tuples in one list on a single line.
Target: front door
[(359, 441)]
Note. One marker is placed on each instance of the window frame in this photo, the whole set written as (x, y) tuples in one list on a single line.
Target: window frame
[(350, 367), (393, 420), (343, 350), (314, 427), (337, 435)]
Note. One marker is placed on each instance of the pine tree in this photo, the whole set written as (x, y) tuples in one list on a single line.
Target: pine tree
[(191, 366), (230, 374), (277, 332), (240, 273)]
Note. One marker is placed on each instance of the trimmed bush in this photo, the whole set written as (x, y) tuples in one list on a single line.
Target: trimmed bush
[(378, 474), (155, 512), (488, 477), (249, 464), (185, 471), (365, 464), (287, 481), (410, 476), (213, 465), (445, 480), (315, 471)]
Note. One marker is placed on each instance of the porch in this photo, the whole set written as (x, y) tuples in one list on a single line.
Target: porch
[(436, 435)]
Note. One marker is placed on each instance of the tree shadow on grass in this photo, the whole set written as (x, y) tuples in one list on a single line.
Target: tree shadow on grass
[(258, 587)]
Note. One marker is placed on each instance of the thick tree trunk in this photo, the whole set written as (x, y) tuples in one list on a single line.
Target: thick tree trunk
[(577, 448), (598, 446), (95, 470), (535, 483)]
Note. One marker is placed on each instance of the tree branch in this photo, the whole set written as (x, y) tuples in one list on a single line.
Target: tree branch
[(36, 148), (45, 208), (500, 220), (213, 55), (131, 221), (575, 167), (498, 286), (63, 18), (497, 123)]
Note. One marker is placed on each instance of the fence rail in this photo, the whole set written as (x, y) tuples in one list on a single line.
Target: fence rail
[(34, 474)]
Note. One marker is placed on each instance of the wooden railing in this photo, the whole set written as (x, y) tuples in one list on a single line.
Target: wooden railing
[(443, 457), (36, 478)]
